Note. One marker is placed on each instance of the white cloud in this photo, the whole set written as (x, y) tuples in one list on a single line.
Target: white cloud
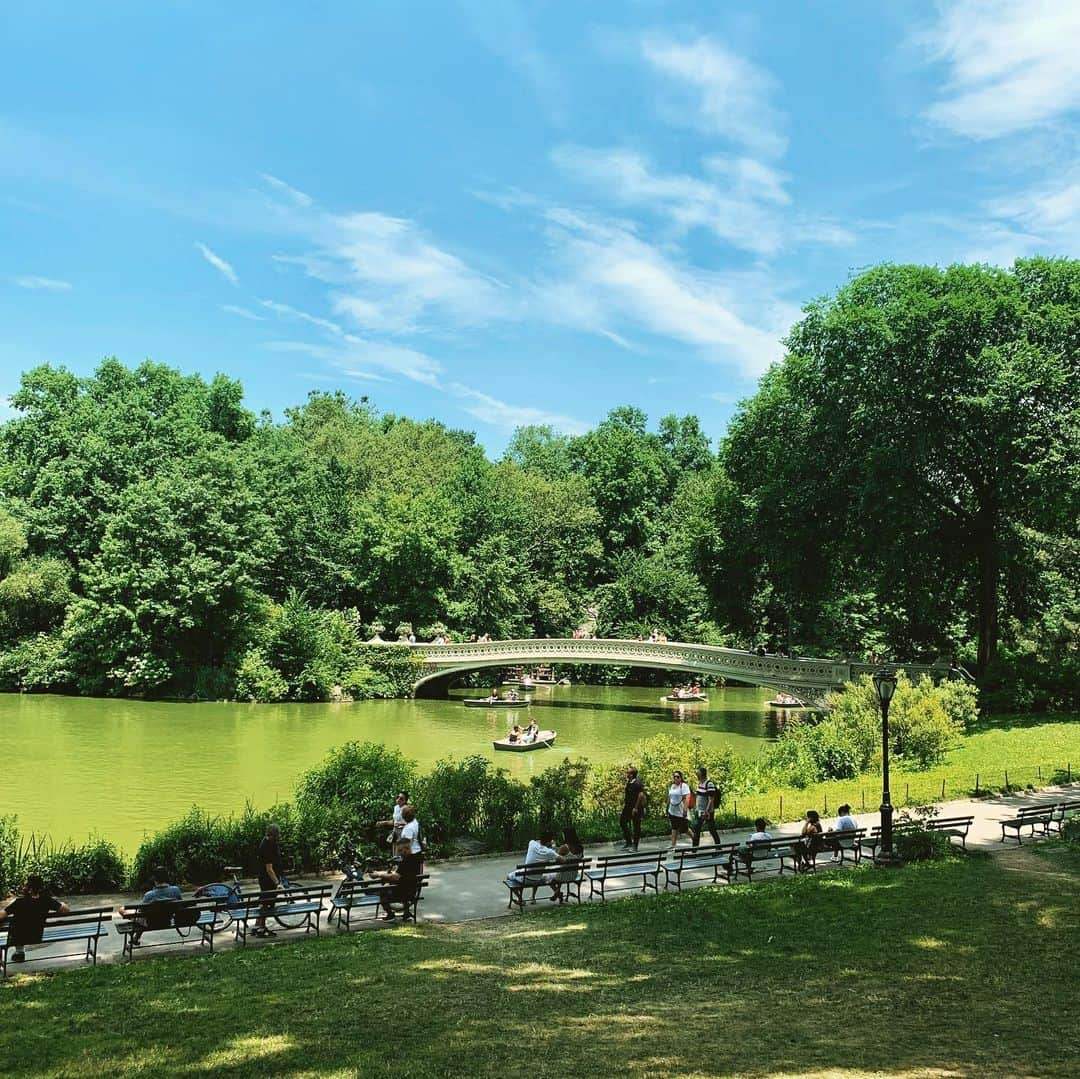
[(290, 192), (1042, 219), (725, 94), (242, 312), (218, 263), (1012, 64), (47, 284), (610, 279), (287, 311), (390, 278), (744, 202), (356, 356), (507, 417)]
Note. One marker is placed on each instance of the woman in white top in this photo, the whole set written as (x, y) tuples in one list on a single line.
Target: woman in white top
[(678, 807)]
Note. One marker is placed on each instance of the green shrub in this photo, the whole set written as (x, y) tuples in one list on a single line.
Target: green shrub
[(1070, 831), (257, 680), (922, 845), (196, 849), (449, 797), (364, 683), (34, 664), (354, 787), (67, 868), (557, 795)]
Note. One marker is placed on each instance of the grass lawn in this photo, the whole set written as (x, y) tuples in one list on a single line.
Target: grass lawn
[(964, 968), (1034, 750)]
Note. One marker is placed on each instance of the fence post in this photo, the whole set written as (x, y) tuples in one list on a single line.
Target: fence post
[(943, 790), (907, 793), (736, 813), (1040, 771), (1068, 768), (976, 783), (1006, 778), (826, 805), (781, 817), (864, 799)]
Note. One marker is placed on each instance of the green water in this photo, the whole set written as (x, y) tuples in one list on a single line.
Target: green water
[(76, 766)]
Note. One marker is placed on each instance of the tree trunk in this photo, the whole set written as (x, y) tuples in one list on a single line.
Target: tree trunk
[(989, 567)]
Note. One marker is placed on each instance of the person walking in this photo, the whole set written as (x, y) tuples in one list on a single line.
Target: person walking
[(395, 822), (270, 874), (705, 807), (678, 807), (633, 810)]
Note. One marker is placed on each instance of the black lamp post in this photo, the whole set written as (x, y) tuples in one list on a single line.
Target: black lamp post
[(885, 687)]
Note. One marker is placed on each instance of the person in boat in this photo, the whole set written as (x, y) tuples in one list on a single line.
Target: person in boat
[(531, 731), (515, 735), (512, 695)]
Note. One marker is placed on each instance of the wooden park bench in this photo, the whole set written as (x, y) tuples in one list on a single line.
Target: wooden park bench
[(1030, 817), (847, 844), (367, 895), (619, 867), (763, 855), (717, 858), (88, 925), (184, 920), (953, 827), (568, 876), (302, 908)]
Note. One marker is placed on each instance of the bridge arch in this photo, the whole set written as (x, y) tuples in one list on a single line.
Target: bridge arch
[(804, 677)]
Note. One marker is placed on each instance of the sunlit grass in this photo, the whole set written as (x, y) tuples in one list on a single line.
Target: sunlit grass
[(919, 972)]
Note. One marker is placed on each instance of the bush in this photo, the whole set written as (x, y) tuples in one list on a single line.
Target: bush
[(556, 796), (257, 680), (68, 869), (449, 797), (197, 848), (1070, 831), (354, 787), (34, 664)]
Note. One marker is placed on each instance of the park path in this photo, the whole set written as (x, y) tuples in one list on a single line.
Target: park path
[(468, 889)]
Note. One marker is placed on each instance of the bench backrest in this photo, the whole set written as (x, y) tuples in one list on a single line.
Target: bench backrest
[(175, 913), (569, 870), (771, 848), (949, 822), (1035, 811), (648, 862), (285, 897), (686, 858), (87, 917)]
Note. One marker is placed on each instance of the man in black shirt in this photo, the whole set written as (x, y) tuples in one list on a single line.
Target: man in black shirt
[(403, 877), (28, 914), (633, 810), (269, 874)]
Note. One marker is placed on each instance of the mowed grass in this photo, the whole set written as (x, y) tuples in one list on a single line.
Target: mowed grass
[(965, 968), (1034, 750)]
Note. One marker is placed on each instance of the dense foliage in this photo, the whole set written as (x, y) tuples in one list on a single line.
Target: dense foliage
[(907, 481)]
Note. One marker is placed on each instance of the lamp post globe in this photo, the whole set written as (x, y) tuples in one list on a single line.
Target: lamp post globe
[(885, 686)]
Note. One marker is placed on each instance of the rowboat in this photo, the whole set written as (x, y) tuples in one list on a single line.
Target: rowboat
[(495, 702), (791, 702), (684, 698), (544, 740)]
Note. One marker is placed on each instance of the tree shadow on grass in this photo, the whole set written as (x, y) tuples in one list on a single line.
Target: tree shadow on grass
[(923, 971)]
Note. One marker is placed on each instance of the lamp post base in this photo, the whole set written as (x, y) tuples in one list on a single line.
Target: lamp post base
[(887, 859)]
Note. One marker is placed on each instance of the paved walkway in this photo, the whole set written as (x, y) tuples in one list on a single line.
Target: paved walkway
[(471, 888)]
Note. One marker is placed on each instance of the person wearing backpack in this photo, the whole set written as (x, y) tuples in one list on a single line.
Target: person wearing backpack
[(705, 807)]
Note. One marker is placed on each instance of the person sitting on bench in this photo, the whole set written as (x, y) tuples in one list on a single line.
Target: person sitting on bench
[(760, 834), (403, 877), (845, 822), (161, 891), (28, 914)]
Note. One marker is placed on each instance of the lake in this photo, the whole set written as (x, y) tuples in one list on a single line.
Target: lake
[(76, 766)]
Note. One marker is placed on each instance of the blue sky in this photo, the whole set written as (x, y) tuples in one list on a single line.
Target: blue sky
[(499, 213)]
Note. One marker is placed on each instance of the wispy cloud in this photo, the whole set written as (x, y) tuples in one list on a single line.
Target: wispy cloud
[(507, 417), (1043, 218), (242, 312), (742, 202), (47, 284), (389, 277), (610, 278), (287, 311), (1011, 65), (356, 356), (723, 93), (290, 192), (218, 263)]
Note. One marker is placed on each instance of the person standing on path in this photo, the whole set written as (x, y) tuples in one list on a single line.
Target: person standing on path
[(705, 807), (633, 810), (395, 822), (678, 807), (269, 875)]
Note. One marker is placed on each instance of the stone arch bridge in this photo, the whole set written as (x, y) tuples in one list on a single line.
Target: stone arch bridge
[(805, 678)]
